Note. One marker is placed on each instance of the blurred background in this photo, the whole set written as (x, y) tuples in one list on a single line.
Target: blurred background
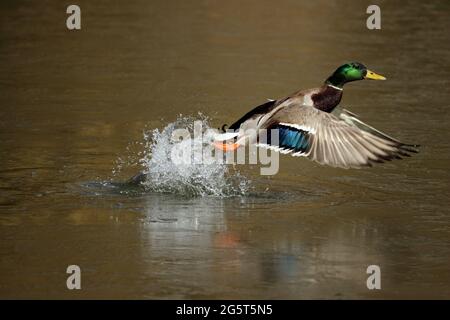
[(74, 105)]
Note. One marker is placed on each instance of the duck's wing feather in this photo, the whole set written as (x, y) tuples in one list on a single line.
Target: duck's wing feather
[(339, 141), (257, 112)]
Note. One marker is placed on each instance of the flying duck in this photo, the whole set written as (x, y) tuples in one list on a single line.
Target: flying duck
[(307, 127)]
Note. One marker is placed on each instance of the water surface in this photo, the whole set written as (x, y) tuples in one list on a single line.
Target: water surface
[(74, 106)]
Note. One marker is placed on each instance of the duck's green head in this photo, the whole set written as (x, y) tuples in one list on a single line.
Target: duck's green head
[(351, 72)]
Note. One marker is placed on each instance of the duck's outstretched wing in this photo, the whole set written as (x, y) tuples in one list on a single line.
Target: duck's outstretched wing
[(257, 112), (353, 120), (343, 141), (250, 120)]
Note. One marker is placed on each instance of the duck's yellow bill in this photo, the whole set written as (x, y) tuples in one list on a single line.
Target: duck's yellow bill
[(374, 76)]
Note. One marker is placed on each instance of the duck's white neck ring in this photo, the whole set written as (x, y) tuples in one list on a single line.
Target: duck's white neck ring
[(337, 88)]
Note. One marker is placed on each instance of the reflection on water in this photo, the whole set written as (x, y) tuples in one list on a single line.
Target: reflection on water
[(73, 102)]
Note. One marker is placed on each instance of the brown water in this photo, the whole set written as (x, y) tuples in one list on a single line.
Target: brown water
[(73, 104)]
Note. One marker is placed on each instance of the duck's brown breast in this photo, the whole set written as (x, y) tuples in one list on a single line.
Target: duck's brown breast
[(327, 98)]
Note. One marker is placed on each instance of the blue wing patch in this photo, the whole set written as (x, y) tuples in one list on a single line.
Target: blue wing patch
[(289, 138)]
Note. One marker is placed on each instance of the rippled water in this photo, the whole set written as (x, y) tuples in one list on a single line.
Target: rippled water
[(82, 112)]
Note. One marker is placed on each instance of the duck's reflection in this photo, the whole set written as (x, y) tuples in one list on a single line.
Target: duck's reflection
[(226, 254)]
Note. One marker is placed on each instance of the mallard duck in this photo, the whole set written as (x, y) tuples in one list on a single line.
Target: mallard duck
[(309, 125)]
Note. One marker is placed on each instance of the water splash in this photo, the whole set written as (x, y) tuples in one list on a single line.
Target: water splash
[(187, 179)]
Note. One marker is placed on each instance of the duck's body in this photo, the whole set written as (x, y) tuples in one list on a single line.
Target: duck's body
[(307, 128), (325, 98)]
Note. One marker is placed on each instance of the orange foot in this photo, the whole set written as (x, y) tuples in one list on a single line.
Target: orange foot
[(226, 146)]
